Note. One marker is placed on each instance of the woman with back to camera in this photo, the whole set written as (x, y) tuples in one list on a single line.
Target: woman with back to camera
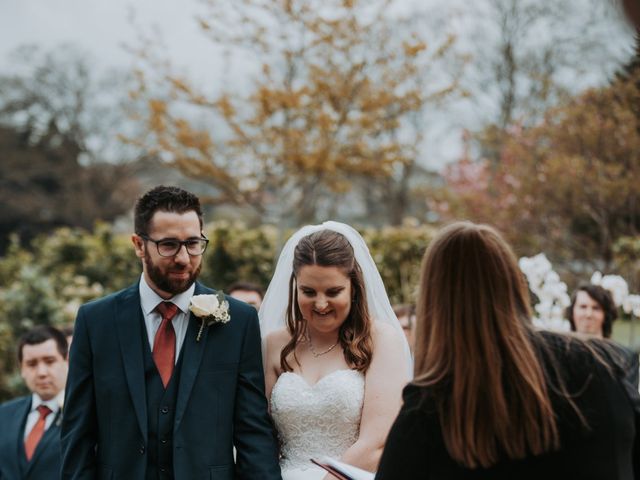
[(592, 312), (335, 359), (493, 398)]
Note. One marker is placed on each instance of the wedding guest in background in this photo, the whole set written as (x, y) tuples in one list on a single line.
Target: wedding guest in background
[(30, 426), (406, 314), (336, 359), (592, 312), (494, 398), (247, 292), (154, 390)]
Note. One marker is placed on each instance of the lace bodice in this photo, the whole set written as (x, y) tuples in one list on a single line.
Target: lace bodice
[(316, 420)]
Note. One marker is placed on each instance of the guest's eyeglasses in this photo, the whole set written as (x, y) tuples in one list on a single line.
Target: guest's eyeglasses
[(170, 247)]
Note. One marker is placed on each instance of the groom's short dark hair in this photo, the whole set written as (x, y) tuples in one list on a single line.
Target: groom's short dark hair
[(165, 199)]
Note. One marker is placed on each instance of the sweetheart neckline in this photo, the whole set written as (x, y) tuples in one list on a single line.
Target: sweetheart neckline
[(321, 378)]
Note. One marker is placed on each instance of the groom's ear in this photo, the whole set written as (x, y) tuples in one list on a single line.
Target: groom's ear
[(138, 245)]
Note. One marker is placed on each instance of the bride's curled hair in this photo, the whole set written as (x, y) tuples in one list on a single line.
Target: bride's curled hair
[(327, 248)]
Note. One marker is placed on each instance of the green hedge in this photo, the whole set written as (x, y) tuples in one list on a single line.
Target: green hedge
[(46, 282)]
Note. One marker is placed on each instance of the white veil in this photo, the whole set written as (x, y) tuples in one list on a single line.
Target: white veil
[(273, 309)]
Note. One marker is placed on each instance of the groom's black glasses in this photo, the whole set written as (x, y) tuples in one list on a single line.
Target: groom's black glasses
[(170, 247)]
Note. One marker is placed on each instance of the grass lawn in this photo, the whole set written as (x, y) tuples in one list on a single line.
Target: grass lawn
[(627, 333)]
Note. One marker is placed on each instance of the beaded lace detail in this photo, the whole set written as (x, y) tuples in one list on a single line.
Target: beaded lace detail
[(316, 420)]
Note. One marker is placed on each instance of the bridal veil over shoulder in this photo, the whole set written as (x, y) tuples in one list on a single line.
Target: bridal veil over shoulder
[(273, 309)]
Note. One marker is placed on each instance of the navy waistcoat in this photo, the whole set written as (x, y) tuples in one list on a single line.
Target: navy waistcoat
[(161, 405)]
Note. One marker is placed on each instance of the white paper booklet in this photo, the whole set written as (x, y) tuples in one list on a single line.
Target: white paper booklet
[(342, 470)]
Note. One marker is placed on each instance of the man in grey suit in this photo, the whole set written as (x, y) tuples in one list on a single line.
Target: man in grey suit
[(30, 426)]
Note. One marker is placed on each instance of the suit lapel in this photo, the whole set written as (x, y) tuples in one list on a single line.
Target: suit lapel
[(16, 426), (128, 325), (192, 352)]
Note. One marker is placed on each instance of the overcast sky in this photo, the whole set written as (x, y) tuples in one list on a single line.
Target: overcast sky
[(101, 27)]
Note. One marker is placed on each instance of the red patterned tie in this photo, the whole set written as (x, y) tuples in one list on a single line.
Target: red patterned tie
[(164, 344), (35, 435)]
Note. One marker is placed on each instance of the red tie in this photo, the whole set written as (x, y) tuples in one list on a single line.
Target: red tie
[(164, 344), (36, 432)]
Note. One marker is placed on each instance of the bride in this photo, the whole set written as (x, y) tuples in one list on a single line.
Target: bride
[(335, 357)]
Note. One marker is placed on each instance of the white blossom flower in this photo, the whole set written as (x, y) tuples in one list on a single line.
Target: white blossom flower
[(550, 290), (631, 305), (617, 286)]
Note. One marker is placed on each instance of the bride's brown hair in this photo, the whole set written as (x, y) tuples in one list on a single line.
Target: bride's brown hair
[(475, 351), (327, 248)]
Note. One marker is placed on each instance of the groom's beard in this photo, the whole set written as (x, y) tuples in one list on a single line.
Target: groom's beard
[(159, 276)]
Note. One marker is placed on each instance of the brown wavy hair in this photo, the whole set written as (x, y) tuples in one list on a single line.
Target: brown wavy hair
[(327, 248), (474, 349)]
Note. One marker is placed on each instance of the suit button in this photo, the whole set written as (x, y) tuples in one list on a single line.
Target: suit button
[(163, 470), (165, 410), (141, 450), (163, 441)]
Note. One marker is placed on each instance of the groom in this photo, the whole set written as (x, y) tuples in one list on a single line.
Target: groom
[(148, 397)]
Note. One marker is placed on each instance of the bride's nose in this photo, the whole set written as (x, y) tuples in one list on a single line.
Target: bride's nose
[(321, 303)]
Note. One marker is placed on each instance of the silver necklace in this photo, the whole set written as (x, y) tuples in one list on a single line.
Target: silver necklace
[(319, 354)]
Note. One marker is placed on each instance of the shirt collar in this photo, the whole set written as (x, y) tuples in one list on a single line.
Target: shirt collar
[(54, 404), (150, 299)]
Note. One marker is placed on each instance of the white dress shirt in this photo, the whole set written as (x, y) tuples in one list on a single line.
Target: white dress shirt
[(149, 300), (54, 405)]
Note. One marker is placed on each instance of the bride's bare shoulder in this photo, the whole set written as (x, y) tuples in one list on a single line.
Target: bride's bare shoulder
[(383, 331), (277, 339), (386, 337), (275, 342)]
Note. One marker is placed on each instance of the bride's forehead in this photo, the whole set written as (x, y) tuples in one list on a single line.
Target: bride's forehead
[(319, 275)]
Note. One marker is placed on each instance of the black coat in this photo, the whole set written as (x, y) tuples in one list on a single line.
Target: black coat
[(608, 450), (630, 364)]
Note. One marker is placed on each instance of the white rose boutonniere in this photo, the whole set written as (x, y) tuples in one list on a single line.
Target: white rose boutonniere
[(209, 309)]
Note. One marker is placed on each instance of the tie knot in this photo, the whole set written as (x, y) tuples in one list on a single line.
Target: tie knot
[(43, 410), (168, 310)]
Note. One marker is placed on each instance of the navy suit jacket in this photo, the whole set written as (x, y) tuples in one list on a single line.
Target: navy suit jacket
[(45, 463), (220, 403)]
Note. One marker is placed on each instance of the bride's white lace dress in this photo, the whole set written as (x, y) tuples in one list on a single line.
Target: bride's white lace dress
[(316, 420)]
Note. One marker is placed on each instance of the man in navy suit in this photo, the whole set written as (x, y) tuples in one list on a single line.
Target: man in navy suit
[(30, 426), (154, 394)]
